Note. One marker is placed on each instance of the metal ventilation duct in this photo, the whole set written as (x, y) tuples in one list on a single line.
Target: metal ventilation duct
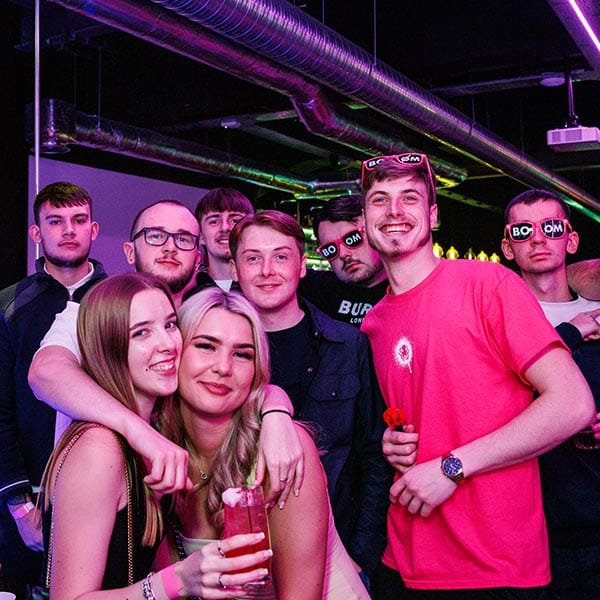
[(278, 31), (318, 114), (61, 125)]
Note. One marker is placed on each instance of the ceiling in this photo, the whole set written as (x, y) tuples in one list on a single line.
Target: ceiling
[(262, 91)]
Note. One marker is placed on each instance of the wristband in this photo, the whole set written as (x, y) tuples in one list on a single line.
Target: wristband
[(275, 410), (24, 509), (171, 582)]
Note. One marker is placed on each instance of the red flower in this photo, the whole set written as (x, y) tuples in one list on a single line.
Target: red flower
[(395, 418)]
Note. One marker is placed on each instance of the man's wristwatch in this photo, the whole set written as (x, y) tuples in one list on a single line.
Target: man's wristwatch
[(452, 468)]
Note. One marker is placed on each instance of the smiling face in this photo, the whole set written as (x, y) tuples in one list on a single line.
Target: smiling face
[(215, 228), (154, 347), (217, 366), (171, 265), (360, 265), (539, 254), (66, 234), (398, 217), (268, 266)]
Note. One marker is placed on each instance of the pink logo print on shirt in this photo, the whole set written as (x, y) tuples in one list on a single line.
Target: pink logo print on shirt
[(403, 353)]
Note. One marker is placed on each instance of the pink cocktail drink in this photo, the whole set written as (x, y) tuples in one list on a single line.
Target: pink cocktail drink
[(245, 512)]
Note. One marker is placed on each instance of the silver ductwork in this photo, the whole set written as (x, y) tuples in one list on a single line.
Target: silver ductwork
[(291, 42), (281, 32), (61, 125), (318, 114)]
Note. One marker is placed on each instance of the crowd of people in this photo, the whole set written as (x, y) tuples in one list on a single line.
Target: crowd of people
[(129, 403)]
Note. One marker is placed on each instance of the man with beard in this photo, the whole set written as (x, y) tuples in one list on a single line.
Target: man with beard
[(357, 280), (65, 229), (163, 241), (460, 346)]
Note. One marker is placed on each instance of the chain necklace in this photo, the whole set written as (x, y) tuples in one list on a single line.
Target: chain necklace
[(204, 475)]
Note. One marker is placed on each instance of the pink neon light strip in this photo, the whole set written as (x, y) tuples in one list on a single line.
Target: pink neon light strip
[(585, 24)]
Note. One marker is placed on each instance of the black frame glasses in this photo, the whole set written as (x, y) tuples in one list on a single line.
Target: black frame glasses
[(352, 239), (551, 227), (154, 236), (409, 159)]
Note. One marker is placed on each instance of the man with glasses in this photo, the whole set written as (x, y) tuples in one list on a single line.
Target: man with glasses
[(459, 347), (538, 236), (357, 280), (325, 367), (64, 227), (163, 242)]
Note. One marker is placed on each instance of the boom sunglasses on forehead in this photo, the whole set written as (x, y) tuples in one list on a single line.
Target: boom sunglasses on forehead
[(410, 159), (352, 239), (553, 229)]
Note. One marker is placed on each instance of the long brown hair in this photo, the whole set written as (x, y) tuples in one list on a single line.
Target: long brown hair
[(103, 334)]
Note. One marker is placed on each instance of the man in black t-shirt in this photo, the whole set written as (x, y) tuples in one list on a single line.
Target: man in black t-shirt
[(357, 280)]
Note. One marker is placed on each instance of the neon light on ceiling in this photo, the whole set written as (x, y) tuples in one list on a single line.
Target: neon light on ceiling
[(582, 19)]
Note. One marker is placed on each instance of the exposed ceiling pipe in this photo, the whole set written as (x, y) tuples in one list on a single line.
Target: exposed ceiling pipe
[(282, 33), (315, 110), (61, 124)]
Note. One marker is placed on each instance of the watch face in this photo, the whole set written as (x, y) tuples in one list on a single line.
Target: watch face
[(452, 466)]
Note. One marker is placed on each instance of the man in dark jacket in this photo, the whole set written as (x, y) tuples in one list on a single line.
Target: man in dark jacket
[(325, 367), (65, 229)]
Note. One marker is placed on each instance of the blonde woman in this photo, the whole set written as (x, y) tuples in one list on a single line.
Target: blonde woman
[(215, 415)]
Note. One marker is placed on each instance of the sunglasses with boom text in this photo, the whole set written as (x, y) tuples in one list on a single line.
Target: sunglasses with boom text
[(352, 239), (410, 159), (553, 229)]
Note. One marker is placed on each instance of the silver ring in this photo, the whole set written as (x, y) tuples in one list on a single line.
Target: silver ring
[(220, 550), (283, 479), (220, 582)]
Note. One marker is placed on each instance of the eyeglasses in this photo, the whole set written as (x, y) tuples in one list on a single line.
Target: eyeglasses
[(159, 237), (410, 159), (352, 239), (553, 229)]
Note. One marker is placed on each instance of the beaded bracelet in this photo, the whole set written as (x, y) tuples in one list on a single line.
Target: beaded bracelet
[(147, 587), (275, 410)]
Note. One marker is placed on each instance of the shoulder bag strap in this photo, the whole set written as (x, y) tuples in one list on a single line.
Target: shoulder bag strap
[(63, 457)]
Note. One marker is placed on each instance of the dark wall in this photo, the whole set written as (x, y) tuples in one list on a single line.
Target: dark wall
[(14, 78)]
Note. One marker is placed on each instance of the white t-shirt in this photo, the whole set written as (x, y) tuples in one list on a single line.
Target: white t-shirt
[(63, 332), (563, 312)]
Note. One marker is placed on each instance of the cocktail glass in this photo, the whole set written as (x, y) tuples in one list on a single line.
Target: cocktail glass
[(245, 512)]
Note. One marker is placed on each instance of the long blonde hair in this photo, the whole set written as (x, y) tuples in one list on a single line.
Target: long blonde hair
[(236, 457), (103, 334)]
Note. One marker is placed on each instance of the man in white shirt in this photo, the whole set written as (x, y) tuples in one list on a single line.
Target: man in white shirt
[(539, 236)]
